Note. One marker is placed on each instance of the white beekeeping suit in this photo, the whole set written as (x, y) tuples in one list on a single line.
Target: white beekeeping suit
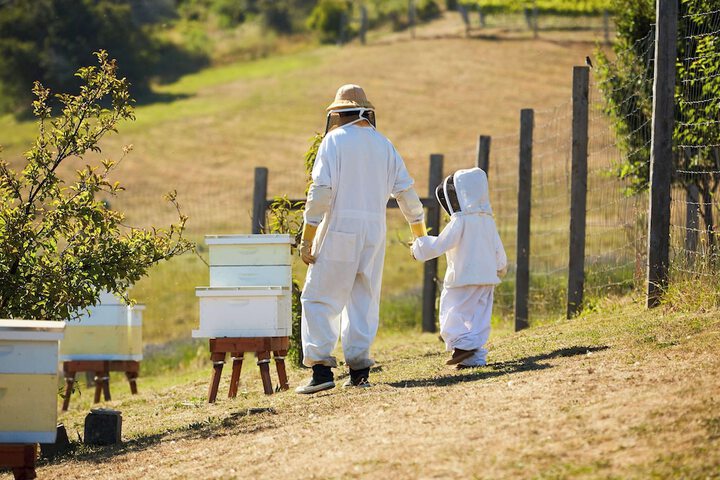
[(475, 261), (356, 171)]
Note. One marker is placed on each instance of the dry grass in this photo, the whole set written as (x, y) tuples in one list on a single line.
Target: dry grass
[(619, 393)]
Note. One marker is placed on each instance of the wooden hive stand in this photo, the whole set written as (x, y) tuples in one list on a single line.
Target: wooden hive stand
[(236, 347), (102, 369), (20, 458)]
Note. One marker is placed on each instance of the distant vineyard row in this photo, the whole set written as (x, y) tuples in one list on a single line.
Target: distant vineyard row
[(556, 7)]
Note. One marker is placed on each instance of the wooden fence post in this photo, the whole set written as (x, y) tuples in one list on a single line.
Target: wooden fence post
[(465, 18), (431, 266), (363, 24), (412, 17), (578, 190), (606, 27), (522, 277), (661, 155), (483, 153), (259, 199)]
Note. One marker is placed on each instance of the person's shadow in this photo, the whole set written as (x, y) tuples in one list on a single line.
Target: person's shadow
[(499, 368)]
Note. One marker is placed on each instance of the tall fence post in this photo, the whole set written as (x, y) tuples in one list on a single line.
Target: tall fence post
[(412, 17), (431, 266), (661, 155), (259, 199), (578, 190), (606, 27), (363, 24), (483, 153), (522, 277)]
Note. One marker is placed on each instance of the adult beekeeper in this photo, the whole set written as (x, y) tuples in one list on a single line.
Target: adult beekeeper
[(356, 171)]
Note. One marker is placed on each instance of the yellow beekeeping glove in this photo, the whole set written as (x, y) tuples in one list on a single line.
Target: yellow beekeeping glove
[(306, 243), (418, 229)]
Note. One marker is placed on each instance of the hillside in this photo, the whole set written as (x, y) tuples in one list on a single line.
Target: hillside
[(619, 393), (207, 132)]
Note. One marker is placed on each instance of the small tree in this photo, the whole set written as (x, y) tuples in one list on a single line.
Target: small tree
[(626, 85), (60, 246)]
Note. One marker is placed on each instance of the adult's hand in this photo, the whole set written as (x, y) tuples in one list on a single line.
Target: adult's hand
[(306, 252)]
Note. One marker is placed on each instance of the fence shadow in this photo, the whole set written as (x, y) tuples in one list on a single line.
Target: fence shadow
[(498, 369)]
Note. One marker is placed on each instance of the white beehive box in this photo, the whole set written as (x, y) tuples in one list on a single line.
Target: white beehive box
[(29, 380), (250, 287), (111, 330)]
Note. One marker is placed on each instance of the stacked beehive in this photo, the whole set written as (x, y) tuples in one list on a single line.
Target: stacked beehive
[(250, 287), (111, 330), (28, 380)]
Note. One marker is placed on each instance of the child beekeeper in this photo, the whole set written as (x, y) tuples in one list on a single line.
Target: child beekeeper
[(356, 171), (475, 262)]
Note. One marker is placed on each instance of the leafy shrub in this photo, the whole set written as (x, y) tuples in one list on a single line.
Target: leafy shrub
[(230, 12), (427, 10), (327, 19)]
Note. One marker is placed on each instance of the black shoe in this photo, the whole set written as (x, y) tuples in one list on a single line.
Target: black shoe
[(322, 379), (358, 378)]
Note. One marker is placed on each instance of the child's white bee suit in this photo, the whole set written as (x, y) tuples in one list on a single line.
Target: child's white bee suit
[(475, 261)]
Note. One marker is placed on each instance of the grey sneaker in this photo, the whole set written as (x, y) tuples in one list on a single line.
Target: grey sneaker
[(322, 379), (313, 387)]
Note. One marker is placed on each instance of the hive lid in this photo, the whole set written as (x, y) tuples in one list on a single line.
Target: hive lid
[(257, 239), (31, 330), (272, 291)]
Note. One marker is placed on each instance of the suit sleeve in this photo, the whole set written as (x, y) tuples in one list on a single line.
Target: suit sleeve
[(403, 180), (429, 247), (320, 192), (500, 256)]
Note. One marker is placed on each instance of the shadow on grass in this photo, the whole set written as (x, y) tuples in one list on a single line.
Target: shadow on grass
[(498, 369), (202, 429)]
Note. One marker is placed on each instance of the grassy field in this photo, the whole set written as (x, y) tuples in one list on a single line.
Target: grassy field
[(617, 393), (208, 131)]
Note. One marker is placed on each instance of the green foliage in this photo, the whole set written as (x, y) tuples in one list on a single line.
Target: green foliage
[(427, 10), (546, 7), (329, 18), (60, 245), (626, 85), (278, 15), (48, 40)]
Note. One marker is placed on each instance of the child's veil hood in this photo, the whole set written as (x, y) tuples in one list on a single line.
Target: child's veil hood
[(471, 186)]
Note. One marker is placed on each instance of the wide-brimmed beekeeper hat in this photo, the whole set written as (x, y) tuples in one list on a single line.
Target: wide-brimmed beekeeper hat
[(350, 96)]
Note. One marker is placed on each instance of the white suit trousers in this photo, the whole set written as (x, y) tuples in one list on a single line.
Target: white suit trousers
[(465, 314), (342, 293)]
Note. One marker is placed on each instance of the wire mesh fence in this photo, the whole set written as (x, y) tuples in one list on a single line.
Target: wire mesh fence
[(695, 204)]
